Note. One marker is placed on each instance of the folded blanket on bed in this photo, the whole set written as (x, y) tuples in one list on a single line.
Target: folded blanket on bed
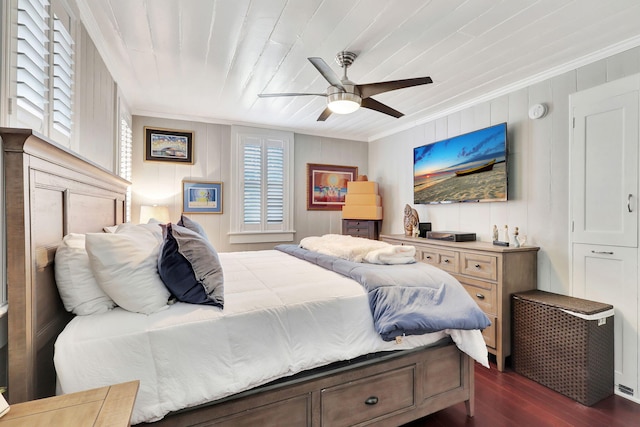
[(409, 299), (358, 249)]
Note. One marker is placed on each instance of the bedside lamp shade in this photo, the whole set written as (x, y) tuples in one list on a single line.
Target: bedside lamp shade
[(160, 213)]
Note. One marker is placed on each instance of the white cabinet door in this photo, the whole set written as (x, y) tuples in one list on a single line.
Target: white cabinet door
[(609, 274), (604, 164)]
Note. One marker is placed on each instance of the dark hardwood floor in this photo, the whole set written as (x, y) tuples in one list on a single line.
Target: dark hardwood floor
[(509, 399)]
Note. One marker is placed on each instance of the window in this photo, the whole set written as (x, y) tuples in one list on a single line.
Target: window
[(261, 193), (126, 140), (44, 69)]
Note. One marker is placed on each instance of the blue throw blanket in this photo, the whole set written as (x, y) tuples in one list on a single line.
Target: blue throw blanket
[(408, 299)]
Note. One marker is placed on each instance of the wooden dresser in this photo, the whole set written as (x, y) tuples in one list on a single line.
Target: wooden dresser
[(489, 273), (367, 228), (106, 406)]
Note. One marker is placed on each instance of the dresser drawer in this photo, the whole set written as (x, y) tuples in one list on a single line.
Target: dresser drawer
[(355, 223), (369, 229), (481, 266), (484, 294), (358, 232), (366, 399), (446, 260)]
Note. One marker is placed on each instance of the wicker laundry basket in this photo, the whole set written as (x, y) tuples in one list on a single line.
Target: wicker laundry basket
[(571, 353)]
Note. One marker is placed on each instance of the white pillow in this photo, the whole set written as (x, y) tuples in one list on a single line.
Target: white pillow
[(125, 264), (152, 227), (78, 289)]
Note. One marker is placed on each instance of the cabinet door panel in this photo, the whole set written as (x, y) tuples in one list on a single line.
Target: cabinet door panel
[(609, 274), (604, 165)]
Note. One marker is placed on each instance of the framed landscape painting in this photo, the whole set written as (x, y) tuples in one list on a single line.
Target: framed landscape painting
[(327, 185), (201, 197), (167, 145)]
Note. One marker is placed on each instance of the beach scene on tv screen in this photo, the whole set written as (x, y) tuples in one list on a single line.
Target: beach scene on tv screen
[(469, 167)]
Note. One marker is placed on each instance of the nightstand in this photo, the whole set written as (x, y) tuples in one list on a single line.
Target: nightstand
[(104, 406), (367, 228)]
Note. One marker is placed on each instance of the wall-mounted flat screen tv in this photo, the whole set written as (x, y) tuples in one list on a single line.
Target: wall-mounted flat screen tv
[(465, 168)]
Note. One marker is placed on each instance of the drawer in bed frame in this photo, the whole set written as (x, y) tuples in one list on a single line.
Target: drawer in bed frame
[(391, 389)]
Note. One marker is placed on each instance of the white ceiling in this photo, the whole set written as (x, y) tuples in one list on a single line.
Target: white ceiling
[(207, 60)]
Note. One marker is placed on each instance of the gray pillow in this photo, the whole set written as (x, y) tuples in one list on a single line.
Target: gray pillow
[(187, 222), (189, 267)]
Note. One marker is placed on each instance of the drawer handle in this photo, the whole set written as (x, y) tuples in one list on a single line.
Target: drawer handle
[(428, 257), (602, 252), (371, 401), (480, 296), (477, 266), (446, 261)]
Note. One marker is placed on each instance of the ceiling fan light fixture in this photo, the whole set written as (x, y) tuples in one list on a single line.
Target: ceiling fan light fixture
[(343, 102)]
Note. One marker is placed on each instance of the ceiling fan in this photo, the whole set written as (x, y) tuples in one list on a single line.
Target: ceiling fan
[(344, 96)]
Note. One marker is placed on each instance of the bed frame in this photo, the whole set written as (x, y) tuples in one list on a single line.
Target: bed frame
[(50, 192)]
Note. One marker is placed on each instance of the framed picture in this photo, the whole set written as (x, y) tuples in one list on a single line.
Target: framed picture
[(167, 145), (327, 186), (201, 197)]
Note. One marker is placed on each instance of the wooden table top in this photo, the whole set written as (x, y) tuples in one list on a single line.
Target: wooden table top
[(104, 406)]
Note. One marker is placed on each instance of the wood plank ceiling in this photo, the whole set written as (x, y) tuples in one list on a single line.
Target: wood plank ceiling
[(208, 59)]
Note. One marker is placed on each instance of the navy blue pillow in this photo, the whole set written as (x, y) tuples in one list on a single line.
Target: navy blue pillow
[(189, 267)]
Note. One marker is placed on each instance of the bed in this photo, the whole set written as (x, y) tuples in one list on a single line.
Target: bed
[(51, 193)]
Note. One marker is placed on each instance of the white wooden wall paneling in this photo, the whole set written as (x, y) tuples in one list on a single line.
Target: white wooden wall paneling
[(539, 159)]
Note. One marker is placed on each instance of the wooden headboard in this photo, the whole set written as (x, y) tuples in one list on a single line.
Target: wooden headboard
[(49, 192)]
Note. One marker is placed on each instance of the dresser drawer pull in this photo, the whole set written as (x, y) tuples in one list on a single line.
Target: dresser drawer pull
[(479, 296), (428, 257), (602, 252), (371, 401), (446, 261), (477, 266)]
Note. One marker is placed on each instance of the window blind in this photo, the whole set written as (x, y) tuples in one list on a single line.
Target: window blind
[(275, 185), (62, 77), (32, 56), (263, 186), (126, 141), (252, 205)]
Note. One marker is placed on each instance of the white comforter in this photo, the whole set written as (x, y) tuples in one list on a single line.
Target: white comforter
[(282, 315)]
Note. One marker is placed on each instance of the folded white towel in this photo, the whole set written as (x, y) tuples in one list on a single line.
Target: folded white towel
[(394, 254)]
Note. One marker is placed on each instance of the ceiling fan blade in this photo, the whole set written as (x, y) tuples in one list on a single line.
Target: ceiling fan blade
[(372, 104), (326, 72), (371, 89), (324, 115), (273, 95)]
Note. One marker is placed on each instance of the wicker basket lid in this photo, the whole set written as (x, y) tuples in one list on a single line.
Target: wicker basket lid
[(564, 302)]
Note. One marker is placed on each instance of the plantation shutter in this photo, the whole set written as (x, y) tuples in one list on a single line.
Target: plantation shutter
[(126, 144), (252, 183), (62, 78), (32, 52), (263, 182), (262, 188), (275, 184)]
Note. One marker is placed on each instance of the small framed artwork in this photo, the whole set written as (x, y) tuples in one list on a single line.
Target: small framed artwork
[(167, 145), (201, 197), (327, 186)]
